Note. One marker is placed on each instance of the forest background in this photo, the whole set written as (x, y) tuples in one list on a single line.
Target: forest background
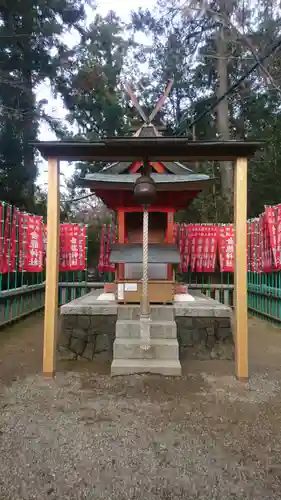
[(84, 58)]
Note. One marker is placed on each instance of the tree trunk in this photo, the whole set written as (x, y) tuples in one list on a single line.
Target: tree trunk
[(223, 128)]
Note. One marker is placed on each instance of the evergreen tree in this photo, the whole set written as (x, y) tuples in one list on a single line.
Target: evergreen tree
[(31, 49), (207, 46), (90, 84)]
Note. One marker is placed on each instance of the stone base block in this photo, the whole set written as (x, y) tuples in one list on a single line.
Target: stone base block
[(158, 367), (87, 336), (205, 338), (203, 328)]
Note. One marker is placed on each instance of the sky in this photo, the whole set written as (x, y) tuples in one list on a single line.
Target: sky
[(55, 107), (123, 7)]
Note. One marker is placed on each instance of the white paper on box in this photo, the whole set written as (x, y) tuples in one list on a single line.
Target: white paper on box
[(131, 287), (120, 291)]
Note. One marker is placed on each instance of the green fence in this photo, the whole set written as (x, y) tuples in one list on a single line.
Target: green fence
[(264, 293), (218, 286), (27, 293), (19, 302)]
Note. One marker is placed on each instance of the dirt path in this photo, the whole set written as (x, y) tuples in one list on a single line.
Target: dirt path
[(86, 436), (21, 348)]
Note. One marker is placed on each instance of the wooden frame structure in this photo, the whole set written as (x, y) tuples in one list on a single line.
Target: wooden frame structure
[(160, 149)]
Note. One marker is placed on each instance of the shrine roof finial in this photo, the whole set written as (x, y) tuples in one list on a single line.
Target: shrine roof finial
[(148, 119)]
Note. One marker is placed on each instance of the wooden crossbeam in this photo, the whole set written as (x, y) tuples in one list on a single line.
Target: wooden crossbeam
[(161, 101), (159, 105)]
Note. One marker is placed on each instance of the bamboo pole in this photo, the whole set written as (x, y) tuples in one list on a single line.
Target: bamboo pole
[(240, 274), (52, 269)]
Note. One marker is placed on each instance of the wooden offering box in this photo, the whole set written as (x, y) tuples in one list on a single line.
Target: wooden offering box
[(161, 283), (159, 292)]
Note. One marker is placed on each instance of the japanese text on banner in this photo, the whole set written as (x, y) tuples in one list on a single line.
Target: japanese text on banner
[(72, 247), (33, 247), (271, 221), (13, 241), (4, 262), (226, 248), (22, 235)]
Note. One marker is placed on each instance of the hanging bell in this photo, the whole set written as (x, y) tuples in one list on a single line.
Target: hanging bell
[(145, 190)]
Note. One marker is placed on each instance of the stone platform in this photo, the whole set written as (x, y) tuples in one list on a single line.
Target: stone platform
[(201, 329)]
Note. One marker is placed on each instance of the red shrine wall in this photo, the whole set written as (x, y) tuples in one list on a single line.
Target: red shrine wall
[(119, 199), (157, 226), (121, 239), (156, 166)]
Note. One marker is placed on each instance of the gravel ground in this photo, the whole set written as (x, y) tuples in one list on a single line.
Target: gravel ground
[(87, 436)]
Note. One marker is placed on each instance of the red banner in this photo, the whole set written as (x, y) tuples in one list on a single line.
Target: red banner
[(175, 233), (33, 244), (252, 248), (226, 248), (107, 267), (72, 247), (44, 229), (1, 231), (271, 221), (181, 245), (265, 247), (249, 255), (278, 236), (112, 240), (186, 250), (83, 248), (262, 243), (5, 253), (210, 249), (13, 241), (101, 263), (193, 232), (199, 247), (21, 234)]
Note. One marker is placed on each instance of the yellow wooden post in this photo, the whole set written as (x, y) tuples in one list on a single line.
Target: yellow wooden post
[(240, 275), (52, 269)]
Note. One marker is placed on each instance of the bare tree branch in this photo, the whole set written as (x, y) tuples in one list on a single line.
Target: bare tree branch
[(220, 17)]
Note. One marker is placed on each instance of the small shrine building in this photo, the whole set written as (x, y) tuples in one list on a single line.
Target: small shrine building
[(174, 190), (176, 186)]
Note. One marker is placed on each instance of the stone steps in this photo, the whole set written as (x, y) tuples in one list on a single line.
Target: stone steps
[(161, 349), (162, 357), (156, 366), (158, 329), (157, 313)]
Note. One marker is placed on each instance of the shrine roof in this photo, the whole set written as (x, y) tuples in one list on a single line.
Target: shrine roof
[(151, 148), (133, 254), (163, 182), (119, 167), (173, 167)]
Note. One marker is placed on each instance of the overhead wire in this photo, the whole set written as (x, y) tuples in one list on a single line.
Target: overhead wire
[(75, 200), (234, 86)]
